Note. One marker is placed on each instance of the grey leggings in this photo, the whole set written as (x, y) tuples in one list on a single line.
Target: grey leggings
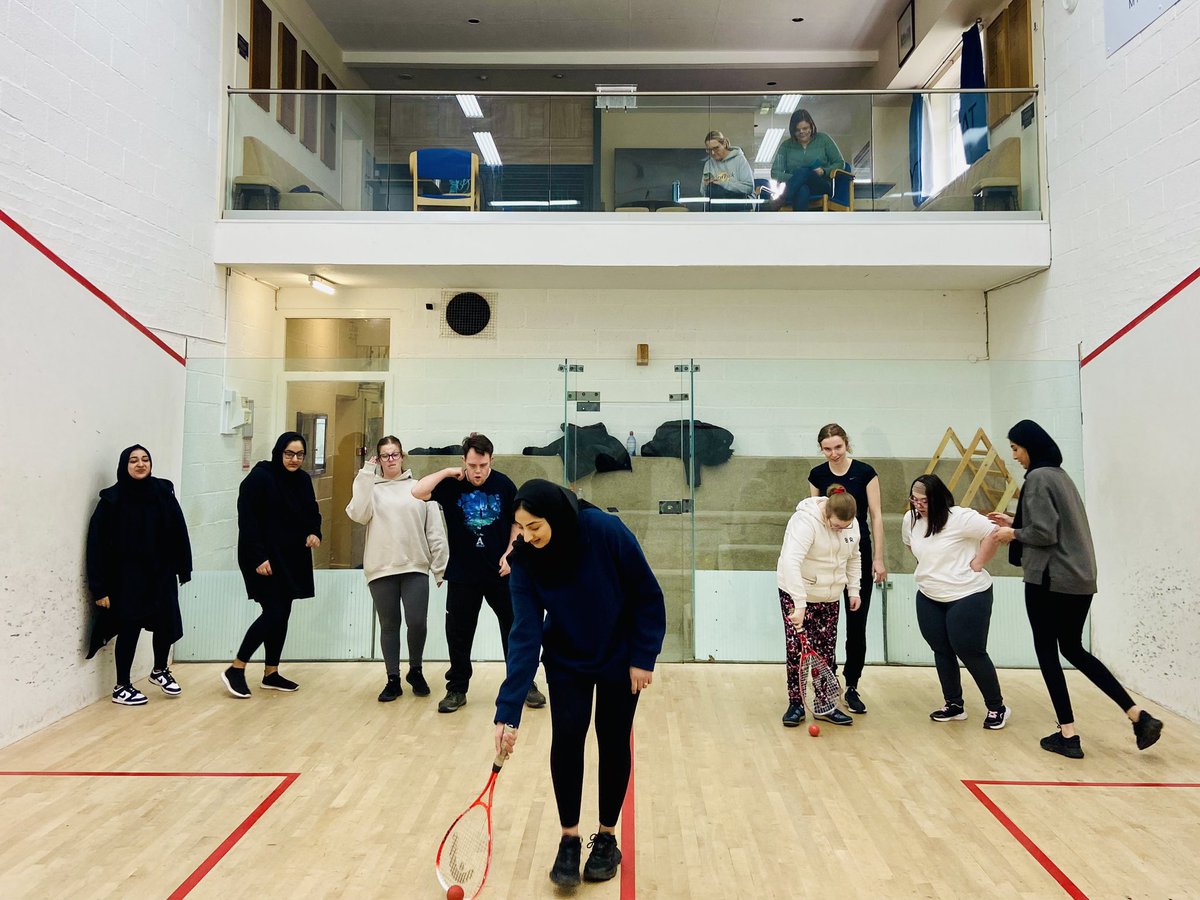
[(960, 629), (411, 588)]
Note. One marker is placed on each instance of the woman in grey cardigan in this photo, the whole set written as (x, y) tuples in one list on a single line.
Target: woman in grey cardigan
[(1050, 540)]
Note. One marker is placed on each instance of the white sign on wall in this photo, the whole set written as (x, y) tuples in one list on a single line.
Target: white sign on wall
[(1125, 19)]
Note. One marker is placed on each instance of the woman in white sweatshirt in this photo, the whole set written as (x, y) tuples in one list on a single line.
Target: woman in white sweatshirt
[(954, 594), (406, 540), (820, 558)]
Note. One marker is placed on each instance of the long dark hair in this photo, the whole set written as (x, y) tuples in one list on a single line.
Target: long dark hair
[(938, 501), (801, 115)]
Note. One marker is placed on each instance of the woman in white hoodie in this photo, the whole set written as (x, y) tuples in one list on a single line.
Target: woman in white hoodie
[(820, 558), (406, 540)]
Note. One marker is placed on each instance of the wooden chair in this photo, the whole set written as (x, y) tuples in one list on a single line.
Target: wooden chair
[(445, 164)]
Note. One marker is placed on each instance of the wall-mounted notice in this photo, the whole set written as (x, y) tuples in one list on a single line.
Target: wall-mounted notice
[(1125, 19)]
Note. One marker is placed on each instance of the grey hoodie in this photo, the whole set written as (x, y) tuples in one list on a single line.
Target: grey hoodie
[(732, 173)]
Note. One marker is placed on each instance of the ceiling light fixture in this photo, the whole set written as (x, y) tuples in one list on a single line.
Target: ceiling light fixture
[(787, 104), (325, 286), (472, 21), (798, 19), (487, 148), (772, 83), (470, 105), (770, 143)]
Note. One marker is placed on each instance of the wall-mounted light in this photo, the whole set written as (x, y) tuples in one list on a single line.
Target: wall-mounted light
[(770, 143), (470, 105), (487, 147), (317, 283)]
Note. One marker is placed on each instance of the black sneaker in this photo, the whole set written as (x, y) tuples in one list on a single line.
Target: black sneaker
[(996, 718), (276, 682), (565, 871), (835, 716), (1067, 746), (951, 712), (235, 682), (1147, 729), (535, 699), (453, 701), (854, 702), (794, 715), (391, 690), (165, 680), (602, 862), (128, 695), (420, 687)]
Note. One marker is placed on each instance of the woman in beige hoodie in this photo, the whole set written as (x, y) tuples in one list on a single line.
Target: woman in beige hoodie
[(406, 541), (820, 558)]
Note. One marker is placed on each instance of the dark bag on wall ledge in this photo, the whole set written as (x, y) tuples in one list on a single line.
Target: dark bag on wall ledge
[(713, 445)]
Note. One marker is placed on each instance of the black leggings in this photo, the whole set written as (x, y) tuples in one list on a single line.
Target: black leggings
[(127, 641), (856, 624), (269, 631), (1057, 622), (570, 717), (959, 630)]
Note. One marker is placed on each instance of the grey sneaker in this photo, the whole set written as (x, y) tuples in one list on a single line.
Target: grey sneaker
[(452, 702)]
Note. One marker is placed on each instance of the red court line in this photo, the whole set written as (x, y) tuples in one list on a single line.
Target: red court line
[(1025, 841), (628, 829), (87, 285), (1141, 317), (226, 845)]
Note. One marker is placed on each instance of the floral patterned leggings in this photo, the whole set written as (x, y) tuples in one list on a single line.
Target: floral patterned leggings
[(820, 627)]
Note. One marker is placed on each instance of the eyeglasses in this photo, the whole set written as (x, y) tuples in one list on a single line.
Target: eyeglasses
[(712, 149), (293, 454), (390, 456), (917, 501)]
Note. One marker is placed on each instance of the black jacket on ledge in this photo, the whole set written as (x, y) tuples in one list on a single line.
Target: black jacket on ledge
[(589, 448)]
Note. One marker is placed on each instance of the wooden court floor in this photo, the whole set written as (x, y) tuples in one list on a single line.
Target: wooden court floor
[(328, 793)]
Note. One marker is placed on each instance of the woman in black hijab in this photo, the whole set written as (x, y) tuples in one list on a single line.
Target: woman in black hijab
[(279, 524), (584, 594), (137, 556), (1049, 538)]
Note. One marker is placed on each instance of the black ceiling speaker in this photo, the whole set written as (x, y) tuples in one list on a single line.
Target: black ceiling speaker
[(468, 313)]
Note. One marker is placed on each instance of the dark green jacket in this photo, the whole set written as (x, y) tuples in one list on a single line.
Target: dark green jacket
[(821, 152)]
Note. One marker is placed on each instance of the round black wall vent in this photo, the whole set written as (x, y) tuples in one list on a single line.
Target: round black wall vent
[(468, 313)]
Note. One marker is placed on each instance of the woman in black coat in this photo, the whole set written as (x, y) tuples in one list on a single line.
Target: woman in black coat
[(279, 524), (138, 554)]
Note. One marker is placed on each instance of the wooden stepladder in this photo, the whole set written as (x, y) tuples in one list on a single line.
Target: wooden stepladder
[(989, 475)]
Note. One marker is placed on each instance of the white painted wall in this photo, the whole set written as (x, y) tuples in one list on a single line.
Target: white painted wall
[(1123, 137), (77, 385)]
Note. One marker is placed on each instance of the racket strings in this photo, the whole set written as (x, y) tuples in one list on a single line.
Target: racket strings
[(827, 691), (464, 855)]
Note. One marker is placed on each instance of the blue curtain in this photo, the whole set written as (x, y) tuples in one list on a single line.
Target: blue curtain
[(920, 172), (972, 108)]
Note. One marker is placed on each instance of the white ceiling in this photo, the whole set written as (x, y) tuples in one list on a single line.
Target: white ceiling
[(659, 44)]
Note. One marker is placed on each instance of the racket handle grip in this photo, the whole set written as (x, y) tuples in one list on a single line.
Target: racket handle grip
[(503, 754)]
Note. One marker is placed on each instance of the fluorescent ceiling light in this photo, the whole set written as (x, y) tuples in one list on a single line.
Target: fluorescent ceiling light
[(616, 89), (770, 143), (787, 104), (470, 105), (487, 147), (317, 283)]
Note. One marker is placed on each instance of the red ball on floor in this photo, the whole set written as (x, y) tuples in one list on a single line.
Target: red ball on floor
[(814, 729)]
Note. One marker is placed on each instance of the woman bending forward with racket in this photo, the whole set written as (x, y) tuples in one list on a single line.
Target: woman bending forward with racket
[(584, 594), (820, 558)]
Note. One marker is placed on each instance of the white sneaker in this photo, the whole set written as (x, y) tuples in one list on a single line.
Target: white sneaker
[(165, 680), (128, 695)]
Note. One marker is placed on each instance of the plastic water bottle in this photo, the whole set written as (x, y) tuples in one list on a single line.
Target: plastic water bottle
[(631, 444), (674, 191)]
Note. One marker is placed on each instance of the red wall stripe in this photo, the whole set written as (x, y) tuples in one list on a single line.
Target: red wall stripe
[(628, 842), (1141, 317), (87, 285)]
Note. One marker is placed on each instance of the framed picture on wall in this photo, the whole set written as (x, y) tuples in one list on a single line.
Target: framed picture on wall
[(906, 33)]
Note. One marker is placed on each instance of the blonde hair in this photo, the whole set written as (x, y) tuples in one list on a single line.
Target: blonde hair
[(718, 137), (840, 503)]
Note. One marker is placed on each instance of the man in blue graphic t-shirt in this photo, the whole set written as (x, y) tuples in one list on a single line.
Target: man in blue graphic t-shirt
[(478, 503)]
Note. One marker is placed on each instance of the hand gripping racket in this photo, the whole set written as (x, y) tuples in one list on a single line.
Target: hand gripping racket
[(465, 853), (827, 692)]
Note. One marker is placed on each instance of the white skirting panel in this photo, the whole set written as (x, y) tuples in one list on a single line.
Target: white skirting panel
[(337, 624)]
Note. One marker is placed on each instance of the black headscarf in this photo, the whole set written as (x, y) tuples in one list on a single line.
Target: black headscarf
[(295, 497), (140, 515), (558, 560), (1043, 453)]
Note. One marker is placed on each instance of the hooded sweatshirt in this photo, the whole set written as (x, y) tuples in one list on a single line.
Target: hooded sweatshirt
[(732, 173), (816, 562), (404, 534)]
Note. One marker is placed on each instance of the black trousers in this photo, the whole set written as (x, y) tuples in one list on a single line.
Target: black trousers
[(856, 624), (268, 631), (127, 641), (570, 718), (463, 602), (959, 630), (1057, 622), (802, 186)]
